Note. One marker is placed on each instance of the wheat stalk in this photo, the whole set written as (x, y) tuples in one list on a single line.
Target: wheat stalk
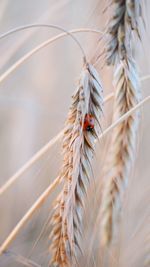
[(127, 95), (37, 25), (78, 148)]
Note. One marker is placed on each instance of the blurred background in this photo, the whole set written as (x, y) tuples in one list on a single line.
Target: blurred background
[(34, 102)]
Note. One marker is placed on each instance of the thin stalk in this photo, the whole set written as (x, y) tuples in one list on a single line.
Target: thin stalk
[(30, 26), (28, 55), (30, 163), (38, 203), (52, 26)]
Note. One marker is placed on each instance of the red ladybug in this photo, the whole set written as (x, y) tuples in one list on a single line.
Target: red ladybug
[(88, 122)]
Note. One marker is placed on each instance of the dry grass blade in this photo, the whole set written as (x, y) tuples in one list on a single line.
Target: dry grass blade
[(44, 196), (30, 163), (22, 260), (127, 95), (145, 78), (30, 26), (78, 147), (29, 214)]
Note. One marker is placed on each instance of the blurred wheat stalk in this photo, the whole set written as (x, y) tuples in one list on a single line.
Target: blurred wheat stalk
[(124, 21)]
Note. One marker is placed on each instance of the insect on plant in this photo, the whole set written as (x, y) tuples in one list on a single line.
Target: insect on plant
[(88, 223)]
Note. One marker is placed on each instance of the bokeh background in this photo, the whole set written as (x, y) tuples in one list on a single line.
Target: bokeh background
[(34, 102)]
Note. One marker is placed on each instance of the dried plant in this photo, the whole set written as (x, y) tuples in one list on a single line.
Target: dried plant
[(82, 130), (126, 15), (78, 148), (123, 144), (127, 95)]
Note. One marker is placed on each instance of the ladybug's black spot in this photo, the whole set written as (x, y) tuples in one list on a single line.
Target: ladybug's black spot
[(89, 128)]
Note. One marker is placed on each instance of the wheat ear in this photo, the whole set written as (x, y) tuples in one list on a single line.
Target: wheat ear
[(127, 95), (78, 148), (126, 14)]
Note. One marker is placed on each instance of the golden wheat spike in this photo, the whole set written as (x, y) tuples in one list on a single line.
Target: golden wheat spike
[(78, 147)]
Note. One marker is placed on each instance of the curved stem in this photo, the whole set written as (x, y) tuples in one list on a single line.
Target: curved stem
[(30, 26), (52, 26), (39, 47), (47, 192)]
